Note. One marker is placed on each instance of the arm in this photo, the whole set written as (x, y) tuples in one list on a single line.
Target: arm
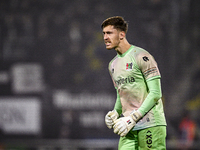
[(154, 95), (111, 116), (118, 106)]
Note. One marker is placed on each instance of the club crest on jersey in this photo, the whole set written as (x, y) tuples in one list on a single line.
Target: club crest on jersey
[(129, 66)]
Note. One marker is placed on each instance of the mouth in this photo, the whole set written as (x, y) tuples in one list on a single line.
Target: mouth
[(108, 43)]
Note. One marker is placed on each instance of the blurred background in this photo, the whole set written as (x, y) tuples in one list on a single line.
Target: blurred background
[(54, 81)]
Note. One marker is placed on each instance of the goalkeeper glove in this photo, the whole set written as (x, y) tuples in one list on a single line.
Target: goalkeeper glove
[(124, 124), (110, 117)]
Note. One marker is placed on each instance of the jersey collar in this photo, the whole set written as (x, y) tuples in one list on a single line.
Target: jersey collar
[(130, 49)]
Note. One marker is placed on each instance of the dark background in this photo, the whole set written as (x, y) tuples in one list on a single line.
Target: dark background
[(64, 39)]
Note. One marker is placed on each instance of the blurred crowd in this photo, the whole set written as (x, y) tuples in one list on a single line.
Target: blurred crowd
[(65, 38)]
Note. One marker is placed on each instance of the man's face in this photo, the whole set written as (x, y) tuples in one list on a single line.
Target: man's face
[(111, 37)]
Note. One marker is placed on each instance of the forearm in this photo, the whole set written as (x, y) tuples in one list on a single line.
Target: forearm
[(118, 106), (154, 95)]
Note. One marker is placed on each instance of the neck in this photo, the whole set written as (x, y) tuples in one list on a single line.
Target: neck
[(123, 47)]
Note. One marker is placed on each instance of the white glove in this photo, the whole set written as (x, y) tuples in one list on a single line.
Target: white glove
[(124, 124), (110, 117)]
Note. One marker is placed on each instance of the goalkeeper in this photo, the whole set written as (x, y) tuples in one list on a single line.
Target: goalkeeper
[(138, 115)]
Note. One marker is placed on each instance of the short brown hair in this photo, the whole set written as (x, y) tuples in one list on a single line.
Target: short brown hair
[(117, 21)]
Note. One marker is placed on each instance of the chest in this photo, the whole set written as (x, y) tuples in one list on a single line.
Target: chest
[(125, 70)]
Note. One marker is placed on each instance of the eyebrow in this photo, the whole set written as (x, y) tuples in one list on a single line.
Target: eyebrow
[(107, 32)]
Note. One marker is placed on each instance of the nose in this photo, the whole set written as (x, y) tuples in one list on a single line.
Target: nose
[(105, 37)]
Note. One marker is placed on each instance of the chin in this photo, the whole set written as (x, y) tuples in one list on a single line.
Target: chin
[(109, 48)]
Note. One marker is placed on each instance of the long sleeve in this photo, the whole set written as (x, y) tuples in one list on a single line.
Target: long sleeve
[(118, 106), (154, 95)]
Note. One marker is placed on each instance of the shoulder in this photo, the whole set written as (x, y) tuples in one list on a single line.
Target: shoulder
[(139, 52), (109, 65), (113, 59)]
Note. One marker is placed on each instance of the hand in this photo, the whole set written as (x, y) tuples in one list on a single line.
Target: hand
[(124, 124), (110, 117)]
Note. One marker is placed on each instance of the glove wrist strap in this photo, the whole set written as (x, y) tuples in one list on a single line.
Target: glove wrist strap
[(136, 115)]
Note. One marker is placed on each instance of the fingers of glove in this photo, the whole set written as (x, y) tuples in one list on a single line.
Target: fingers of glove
[(109, 113), (112, 115), (108, 120), (109, 126), (124, 133), (115, 127), (119, 126), (122, 130)]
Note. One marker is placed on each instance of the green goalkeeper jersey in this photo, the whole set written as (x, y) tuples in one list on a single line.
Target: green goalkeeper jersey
[(130, 73)]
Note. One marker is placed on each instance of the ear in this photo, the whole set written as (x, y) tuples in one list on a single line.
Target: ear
[(122, 35)]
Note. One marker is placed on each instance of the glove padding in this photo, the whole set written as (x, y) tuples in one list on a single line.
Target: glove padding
[(124, 124), (110, 117)]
